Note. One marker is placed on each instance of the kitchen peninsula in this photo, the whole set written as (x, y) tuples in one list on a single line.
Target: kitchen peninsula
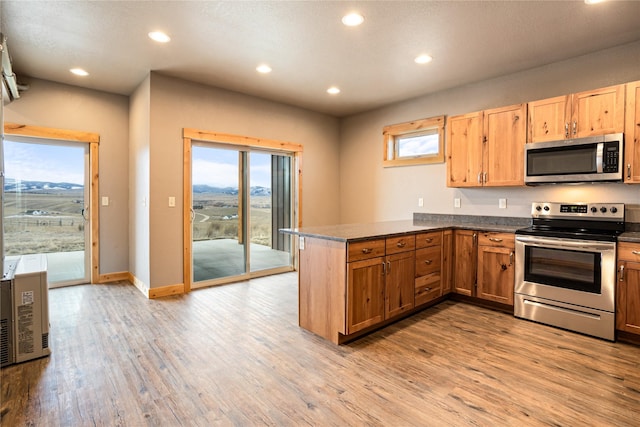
[(355, 278)]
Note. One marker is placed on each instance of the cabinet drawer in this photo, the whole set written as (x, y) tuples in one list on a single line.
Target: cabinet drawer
[(497, 239), (428, 288), (401, 244), (365, 249), (428, 260), (629, 251), (433, 238)]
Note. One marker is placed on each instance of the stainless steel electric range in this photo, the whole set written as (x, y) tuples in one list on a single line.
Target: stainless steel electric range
[(566, 266)]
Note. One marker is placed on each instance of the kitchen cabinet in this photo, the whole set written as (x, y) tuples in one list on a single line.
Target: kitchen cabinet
[(399, 280), (487, 148), (379, 287), (632, 135), (496, 267), (447, 261), (429, 267), (464, 261), (589, 113), (628, 289)]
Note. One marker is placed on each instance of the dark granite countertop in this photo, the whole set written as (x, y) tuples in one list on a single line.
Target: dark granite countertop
[(428, 222), (420, 223)]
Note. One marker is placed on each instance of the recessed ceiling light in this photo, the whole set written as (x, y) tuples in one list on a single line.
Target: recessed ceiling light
[(263, 68), (423, 59), (352, 19), (593, 1), (79, 72), (333, 90), (159, 36)]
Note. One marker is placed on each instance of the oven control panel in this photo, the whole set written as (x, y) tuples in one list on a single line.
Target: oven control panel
[(596, 211)]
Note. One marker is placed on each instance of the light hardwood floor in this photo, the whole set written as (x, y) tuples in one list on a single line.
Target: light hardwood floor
[(234, 355)]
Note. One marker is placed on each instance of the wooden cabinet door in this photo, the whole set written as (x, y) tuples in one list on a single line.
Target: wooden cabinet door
[(464, 150), (365, 294), (628, 298), (505, 133), (447, 261), (399, 295), (464, 264), (548, 119), (496, 272), (632, 135), (598, 112)]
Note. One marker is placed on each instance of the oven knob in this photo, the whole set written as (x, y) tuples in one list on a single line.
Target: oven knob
[(546, 208), (603, 209), (594, 209), (613, 209), (538, 208)]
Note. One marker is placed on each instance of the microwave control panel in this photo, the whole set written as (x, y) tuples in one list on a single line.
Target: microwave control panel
[(610, 157)]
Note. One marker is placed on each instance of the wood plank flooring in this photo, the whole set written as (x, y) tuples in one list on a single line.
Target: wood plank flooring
[(234, 355)]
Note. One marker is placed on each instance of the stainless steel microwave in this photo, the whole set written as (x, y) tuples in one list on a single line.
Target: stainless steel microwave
[(591, 159)]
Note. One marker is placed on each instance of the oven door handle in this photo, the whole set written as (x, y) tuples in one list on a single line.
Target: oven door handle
[(582, 245)]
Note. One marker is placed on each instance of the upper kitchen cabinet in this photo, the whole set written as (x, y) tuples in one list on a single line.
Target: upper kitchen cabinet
[(632, 135), (589, 113), (487, 148)]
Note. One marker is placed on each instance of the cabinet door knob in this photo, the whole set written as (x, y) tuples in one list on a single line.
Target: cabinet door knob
[(621, 273), (566, 130)]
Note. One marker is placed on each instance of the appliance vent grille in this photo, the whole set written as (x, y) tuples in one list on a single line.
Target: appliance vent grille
[(45, 340), (4, 341)]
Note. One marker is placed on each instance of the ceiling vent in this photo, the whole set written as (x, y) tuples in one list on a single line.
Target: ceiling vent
[(9, 81)]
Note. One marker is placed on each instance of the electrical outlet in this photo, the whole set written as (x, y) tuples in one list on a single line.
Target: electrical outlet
[(105, 201), (456, 202), (502, 203), (301, 243), (172, 202), (420, 202)]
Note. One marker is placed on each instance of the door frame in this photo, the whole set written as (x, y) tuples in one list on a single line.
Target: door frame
[(93, 139), (233, 141)]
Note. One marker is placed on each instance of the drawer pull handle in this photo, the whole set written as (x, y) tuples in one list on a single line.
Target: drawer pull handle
[(427, 289), (621, 273), (495, 239), (367, 250), (429, 240), (401, 244), (635, 252), (428, 261)]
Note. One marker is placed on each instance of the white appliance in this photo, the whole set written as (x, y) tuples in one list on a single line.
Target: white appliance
[(29, 314)]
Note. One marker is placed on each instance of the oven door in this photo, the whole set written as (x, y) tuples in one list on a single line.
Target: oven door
[(579, 272)]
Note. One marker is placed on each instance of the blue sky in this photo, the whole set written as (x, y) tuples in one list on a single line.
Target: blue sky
[(44, 162), (219, 168)]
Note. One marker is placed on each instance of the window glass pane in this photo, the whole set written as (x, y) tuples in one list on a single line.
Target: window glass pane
[(421, 145)]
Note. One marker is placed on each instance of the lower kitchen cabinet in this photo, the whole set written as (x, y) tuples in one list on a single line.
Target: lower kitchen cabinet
[(365, 294), (399, 293), (628, 289), (496, 267), (464, 261), (429, 267)]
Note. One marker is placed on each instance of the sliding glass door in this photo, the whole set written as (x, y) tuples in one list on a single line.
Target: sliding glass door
[(46, 206), (240, 198)]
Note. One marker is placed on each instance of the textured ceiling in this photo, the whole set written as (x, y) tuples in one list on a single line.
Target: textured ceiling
[(221, 43)]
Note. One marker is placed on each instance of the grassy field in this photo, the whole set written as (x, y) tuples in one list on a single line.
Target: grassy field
[(216, 217), (43, 222), (52, 221)]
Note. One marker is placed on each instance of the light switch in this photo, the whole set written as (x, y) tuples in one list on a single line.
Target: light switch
[(172, 202), (502, 203), (420, 202), (105, 201), (456, 202)]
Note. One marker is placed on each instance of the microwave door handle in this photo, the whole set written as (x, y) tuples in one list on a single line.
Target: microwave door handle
[(599, 156)]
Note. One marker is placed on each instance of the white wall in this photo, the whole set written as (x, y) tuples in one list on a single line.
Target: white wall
[(177, 104), (139, 182), (369, 192), (61, 106)]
